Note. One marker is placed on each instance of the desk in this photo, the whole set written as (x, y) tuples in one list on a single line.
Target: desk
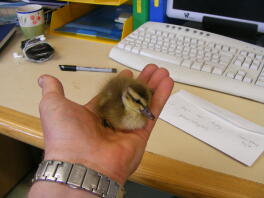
[(174, 161)]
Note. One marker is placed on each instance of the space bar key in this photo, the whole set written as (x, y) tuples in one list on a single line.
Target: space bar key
[(160, 56)]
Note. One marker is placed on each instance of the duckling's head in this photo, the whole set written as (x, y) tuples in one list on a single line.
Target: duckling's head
[(137, 98)]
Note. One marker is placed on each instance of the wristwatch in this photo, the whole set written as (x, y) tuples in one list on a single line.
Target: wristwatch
[(78, 176)]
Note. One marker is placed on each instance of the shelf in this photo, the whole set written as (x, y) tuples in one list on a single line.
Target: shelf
[(101, 2), (75, 10)]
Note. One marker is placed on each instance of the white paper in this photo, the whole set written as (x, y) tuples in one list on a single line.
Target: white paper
[(226, 131)]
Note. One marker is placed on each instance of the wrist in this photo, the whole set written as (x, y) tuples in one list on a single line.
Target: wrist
[(47, 189), (78, 158), (79, 177)]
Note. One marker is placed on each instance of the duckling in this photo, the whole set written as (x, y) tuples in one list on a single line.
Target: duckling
[(124, 104)]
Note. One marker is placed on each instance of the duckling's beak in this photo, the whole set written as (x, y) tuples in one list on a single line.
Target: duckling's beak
[(146, 112)]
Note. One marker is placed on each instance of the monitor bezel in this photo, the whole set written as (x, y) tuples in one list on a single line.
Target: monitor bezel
[(198, 16)]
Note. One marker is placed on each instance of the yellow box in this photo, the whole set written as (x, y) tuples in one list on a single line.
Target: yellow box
[(73, 11), (101, 2)]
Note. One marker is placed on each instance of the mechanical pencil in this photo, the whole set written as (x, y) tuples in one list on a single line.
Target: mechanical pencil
[(90, 69)]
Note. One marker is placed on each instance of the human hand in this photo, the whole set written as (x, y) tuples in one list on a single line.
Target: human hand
[(74, 132)]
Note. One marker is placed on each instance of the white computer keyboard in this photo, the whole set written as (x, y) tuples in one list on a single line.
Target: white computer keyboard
[(196, 57)]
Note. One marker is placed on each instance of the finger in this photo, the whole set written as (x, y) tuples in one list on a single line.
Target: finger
[(159, 99), (50, 84), (147, 72), (91, 103), (157, 77), (126, 73)]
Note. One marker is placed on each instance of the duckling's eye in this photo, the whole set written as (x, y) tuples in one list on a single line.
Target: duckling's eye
[(137, 101)]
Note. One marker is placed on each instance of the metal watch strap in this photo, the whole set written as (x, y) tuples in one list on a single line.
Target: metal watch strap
[(78, 176)]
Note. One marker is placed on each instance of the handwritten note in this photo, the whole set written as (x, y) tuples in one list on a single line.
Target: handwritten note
[(217, 127)]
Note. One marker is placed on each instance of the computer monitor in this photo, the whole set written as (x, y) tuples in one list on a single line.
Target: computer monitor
[(247, 11)]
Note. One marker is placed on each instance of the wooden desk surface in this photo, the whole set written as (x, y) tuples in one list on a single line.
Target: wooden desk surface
[(174, 161)]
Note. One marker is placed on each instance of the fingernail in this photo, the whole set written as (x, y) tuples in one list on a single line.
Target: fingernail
[(40, 81)]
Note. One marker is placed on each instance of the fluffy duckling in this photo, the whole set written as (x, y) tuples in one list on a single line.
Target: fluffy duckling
[(124, 104)]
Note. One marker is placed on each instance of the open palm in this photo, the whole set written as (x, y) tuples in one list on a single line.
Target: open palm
[(74, 132)]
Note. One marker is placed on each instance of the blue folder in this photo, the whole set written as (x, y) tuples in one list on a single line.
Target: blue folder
[(99, 22), (157, 10), (6, 32)]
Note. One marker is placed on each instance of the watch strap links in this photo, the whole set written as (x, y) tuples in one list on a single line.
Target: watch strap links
[(78, 176)]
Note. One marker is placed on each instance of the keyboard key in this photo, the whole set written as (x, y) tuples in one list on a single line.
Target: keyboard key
[(185, 52), (186, 63), (233, 50), (197, 65), (242, 73), (164, 49), (153, 40), (192, 55), (239, 77), (165, 34), (241, 58), (207, 58), (211, 45), (171, 35), (238, 63), (207, 68), (261, 78), (152, 31), (141, 38), (159, 56), (129, 38), (247, 79), (157, 49), (230, 75), (255, 65), (260, 83), (215, 56), (218, 46), (217, 71), (229, 54), (194, 41), (207, 49), (259, 56), (225, 58), (248, 60), (215, 60), (128, 47), (180, 38), (251, 55), (208, 54), (167, 40), (216, 51), (201, 42), (187, 39), (224, 62), (151, 45), (225, 48), (246, 65), (135, 50), (244, 53)]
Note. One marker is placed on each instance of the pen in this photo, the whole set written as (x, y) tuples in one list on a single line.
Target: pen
[(90, 69)]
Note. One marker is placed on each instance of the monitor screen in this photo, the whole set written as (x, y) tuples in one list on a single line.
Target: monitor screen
[(248, 11)]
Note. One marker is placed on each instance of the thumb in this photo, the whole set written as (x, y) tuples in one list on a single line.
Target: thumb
[(50, 84)]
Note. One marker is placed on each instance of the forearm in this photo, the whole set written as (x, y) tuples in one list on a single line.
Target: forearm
[(45, 189)]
